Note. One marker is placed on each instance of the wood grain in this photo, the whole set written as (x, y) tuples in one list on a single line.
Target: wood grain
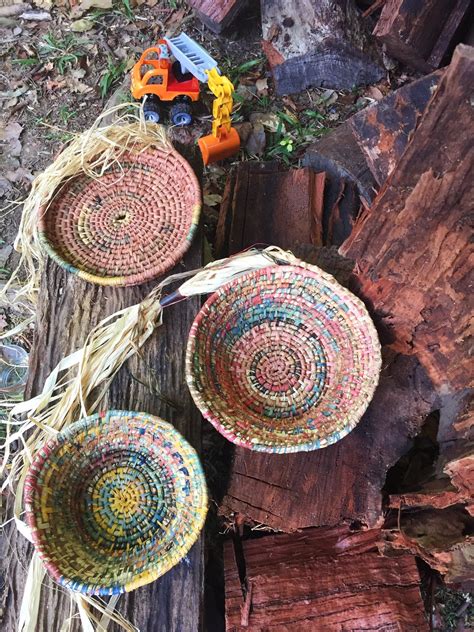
[(320, 580), (412, 247), (217, 14), (320, 43)]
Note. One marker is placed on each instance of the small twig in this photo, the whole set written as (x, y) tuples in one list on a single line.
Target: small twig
[(376, 5), (245, 611)]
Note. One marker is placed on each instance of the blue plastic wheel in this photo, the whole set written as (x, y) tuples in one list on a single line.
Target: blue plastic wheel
[(180, 114)]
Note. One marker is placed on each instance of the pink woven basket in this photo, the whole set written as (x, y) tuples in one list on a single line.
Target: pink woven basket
[(128, 226)]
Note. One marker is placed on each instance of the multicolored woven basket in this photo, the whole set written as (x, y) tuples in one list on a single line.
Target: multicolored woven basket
[(131, 225), (283, 359), (114, 501)]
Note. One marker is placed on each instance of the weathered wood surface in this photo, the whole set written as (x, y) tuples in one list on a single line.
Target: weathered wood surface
[(435, 520), (68, 308), (366, 147), (339, 155), (420, 32), (383, 129), (320, 43), (412, 247), (217, 14), (320, 580), (293, 207), (343, 481)]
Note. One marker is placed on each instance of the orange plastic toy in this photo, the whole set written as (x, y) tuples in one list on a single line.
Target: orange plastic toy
[(156, 79)]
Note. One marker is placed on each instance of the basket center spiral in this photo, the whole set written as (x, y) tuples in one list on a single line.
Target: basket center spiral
[(115, 501)]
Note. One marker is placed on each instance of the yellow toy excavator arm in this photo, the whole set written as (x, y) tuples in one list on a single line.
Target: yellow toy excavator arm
[(222, 88)]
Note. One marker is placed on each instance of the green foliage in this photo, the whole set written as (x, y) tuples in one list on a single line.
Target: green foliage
[(27, 61), (63, 52), (292, 135), (113, 72), (65, 114)]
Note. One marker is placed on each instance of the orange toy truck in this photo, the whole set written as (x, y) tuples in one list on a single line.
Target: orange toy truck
[(158, 80)]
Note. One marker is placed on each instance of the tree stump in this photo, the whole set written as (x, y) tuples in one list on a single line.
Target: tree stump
[(322, 43)]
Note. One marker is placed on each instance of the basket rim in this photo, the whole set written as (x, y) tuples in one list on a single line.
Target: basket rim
[(131, 279), (352, 418), (146, 576)]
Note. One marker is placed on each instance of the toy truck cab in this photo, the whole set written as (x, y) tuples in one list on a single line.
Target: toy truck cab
[(159, 80)]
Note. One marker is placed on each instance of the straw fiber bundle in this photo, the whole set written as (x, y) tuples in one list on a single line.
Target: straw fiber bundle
[(114, 501), (88, 157), (283, 359)]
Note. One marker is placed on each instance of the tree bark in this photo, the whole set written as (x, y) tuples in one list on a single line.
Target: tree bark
[(320, 43), (412, 247)]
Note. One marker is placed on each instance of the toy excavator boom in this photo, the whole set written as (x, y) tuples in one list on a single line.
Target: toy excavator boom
[(162, 81)]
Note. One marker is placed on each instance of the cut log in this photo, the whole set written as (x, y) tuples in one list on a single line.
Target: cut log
[(366, 147), (339, 155), (311, 44), (217, 14), (436, 520), (68, 309), (421, 32), (295, 207), (320, 580), (412, 247), (383, 129), (325, 487)]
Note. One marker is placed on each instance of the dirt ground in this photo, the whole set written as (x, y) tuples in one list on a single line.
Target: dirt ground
[(59, 68)]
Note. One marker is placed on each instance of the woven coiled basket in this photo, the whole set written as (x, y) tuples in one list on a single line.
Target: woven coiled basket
[(114, 501), (283, 359), (130, 225)]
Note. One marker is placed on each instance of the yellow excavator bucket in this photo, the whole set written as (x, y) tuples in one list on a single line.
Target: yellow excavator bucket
[(224, 140)]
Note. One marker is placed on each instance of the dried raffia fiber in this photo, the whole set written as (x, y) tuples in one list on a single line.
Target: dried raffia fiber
[(114, 501), (89, 154), (283, 359)]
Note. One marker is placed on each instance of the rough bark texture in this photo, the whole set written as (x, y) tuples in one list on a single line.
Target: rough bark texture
[(435, 521), (383, 129), (292, 208), (68, 308), (343, 481), (366, 147), (412, 247), (420, 32), (320, 580), (321, 43), (339, 155), (217, 14)]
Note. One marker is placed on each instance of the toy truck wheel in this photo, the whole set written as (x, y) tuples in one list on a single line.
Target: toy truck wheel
[(152, 111), (181, 114)]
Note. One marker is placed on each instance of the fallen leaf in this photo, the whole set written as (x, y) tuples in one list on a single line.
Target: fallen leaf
[(257, 141), (262, 86), (54, 84), (20, 175), (13, 94), (10, 135), (90, 4), (73, 81), (212, 199), (36, 16), (81, 26), (267, 119), (273, 31), (374, 93)]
